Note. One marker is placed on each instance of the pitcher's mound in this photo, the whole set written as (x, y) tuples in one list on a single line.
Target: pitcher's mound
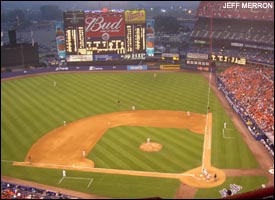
[(150, 147)]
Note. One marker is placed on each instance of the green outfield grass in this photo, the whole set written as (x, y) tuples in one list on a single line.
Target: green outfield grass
[(31, 107)]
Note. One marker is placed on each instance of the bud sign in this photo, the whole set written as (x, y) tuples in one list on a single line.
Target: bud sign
[(96, 24)]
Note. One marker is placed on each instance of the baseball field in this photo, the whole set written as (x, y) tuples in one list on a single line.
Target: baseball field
[(47, 121)]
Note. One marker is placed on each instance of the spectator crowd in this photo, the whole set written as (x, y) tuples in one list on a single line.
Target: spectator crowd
[(14, 191), (253, 91), (250, 91)]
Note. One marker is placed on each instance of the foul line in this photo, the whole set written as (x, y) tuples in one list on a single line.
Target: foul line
[(61, 180), (206, 124), (104, 170)]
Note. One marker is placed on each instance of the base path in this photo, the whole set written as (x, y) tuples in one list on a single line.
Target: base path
[(62, 148)]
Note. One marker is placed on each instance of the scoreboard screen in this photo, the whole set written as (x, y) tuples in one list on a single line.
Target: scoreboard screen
[(98, 46), (74, 33), (135, 37), (71, 47), (139, 38), (229, 59), (135, 42), (129, 38), (114, 35)]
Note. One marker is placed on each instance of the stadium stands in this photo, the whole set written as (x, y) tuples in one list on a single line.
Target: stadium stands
[(251, 92), (14, 191), (247, 33), (208, 9), (235, 30)]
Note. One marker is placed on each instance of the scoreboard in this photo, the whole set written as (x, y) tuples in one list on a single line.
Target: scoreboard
[(139, 38), (135, 41), (74, 33), (103, 36), (229, 59), (205, 59), (135, 23)]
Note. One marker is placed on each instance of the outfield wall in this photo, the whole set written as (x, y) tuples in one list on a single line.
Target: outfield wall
[(92, 68), (74, 69)]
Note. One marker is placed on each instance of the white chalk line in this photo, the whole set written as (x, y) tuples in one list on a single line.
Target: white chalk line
[(61, 180), (90, 182), (226, 137), (206, 125), (93, 169)]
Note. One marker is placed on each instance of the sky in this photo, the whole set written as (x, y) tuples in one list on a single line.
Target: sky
[(82, 5)]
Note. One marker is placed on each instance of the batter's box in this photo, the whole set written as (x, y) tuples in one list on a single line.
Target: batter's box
[(75, 181), (227, 133)]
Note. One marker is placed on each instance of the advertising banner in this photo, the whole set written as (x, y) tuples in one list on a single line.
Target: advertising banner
[(170, 67), (197, 56), (107, 57), (170, 55), (134, 56), (136, 67), (104, 25), (78, 58), (60, 40), (135, 16), (150, 37)]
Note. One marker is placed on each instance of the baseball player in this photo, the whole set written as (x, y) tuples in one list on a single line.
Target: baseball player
[(64, 173), (215, 177), (30, 160)]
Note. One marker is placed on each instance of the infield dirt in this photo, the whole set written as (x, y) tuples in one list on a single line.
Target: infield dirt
[(68, 141)]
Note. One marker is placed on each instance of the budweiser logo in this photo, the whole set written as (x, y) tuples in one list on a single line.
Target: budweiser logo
[(99, 24), (132, 16)]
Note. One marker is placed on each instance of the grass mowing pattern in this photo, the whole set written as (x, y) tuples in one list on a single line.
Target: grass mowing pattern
[(229, 153), (108, 185), (31, 107), (119, 149)]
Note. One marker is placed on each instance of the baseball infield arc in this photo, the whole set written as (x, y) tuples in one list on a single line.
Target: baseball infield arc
[(63, 146)]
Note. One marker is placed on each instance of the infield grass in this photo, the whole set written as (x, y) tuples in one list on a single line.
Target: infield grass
[(31, 107), (119, 149)]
